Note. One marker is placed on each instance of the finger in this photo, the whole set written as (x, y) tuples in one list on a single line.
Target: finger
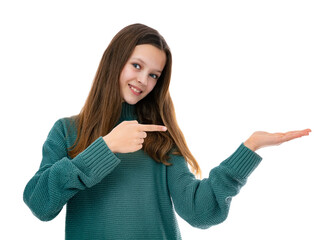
[(294, 134), (307, 131), (152, 128), (300, 133), (142, 135), (140, 146)]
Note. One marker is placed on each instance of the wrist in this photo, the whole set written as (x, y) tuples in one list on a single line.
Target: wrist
[(110, 146), (249, 144)]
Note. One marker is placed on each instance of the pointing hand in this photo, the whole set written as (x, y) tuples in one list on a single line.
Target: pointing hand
[(129, 136)]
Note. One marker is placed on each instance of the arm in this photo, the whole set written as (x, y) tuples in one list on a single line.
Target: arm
[(60, 178), (204, 203)]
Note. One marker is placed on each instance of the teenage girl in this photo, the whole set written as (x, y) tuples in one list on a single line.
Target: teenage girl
[(121, 164)]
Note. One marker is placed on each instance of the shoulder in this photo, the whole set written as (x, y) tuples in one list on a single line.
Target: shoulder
[(176, 158), (63, 126), (64, 131), (178, 163)]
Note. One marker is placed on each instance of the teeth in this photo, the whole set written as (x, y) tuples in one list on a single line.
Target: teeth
[(136, 90)]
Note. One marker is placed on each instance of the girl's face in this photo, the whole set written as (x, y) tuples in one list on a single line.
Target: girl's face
[(141, 72)]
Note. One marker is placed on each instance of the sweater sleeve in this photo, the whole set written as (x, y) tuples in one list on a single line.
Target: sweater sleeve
[(204, 203), (59, 178)]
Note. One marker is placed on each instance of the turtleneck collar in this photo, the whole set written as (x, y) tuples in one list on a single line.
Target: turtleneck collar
[(128, 111)]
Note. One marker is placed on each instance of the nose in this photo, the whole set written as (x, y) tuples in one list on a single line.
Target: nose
[(142, 78)]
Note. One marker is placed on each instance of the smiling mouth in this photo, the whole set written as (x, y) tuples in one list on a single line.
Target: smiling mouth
[(135, 90)]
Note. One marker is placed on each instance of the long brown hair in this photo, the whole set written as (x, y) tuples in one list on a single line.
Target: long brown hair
[(103, 106)]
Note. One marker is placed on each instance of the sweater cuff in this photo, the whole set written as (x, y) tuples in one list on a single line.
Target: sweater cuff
[(99, 159), (243, 161)]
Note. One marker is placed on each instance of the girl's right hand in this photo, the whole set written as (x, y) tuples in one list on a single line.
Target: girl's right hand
[(129, 136)]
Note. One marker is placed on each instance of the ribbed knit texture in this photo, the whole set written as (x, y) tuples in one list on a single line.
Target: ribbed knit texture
[(129, 196)]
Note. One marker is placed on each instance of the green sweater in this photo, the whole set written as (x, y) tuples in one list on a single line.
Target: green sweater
[(129, 196)]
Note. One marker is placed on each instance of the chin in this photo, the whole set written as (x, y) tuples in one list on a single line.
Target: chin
[(131, 101)]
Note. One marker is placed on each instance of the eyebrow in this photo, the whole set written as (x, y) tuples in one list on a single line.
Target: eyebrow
[(140, 60)]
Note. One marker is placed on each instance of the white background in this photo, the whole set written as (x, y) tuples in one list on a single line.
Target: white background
[(238, 67)]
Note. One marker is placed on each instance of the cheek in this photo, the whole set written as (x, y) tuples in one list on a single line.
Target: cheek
[(125, 76), (151, 84)]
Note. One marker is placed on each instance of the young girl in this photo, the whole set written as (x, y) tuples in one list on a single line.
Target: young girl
[(121, 164)]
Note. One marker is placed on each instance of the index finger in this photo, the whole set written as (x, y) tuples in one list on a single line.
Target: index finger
[(152, 128)]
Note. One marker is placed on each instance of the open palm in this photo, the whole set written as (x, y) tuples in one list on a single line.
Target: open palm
[(264, 139)]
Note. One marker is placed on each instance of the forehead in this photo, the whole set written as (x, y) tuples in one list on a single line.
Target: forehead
[(150, 56)]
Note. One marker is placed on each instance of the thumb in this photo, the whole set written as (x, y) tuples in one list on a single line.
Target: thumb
[(133, 121)]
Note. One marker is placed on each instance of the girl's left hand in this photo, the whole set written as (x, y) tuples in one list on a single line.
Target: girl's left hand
[(263, 139)]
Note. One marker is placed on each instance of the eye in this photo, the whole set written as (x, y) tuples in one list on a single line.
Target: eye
[(154, 76), (135, 65)]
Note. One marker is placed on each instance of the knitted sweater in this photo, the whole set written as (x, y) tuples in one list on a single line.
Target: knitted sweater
[(129, 196)]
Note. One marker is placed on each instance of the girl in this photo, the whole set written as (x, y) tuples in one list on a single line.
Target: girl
[(121, 164)]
